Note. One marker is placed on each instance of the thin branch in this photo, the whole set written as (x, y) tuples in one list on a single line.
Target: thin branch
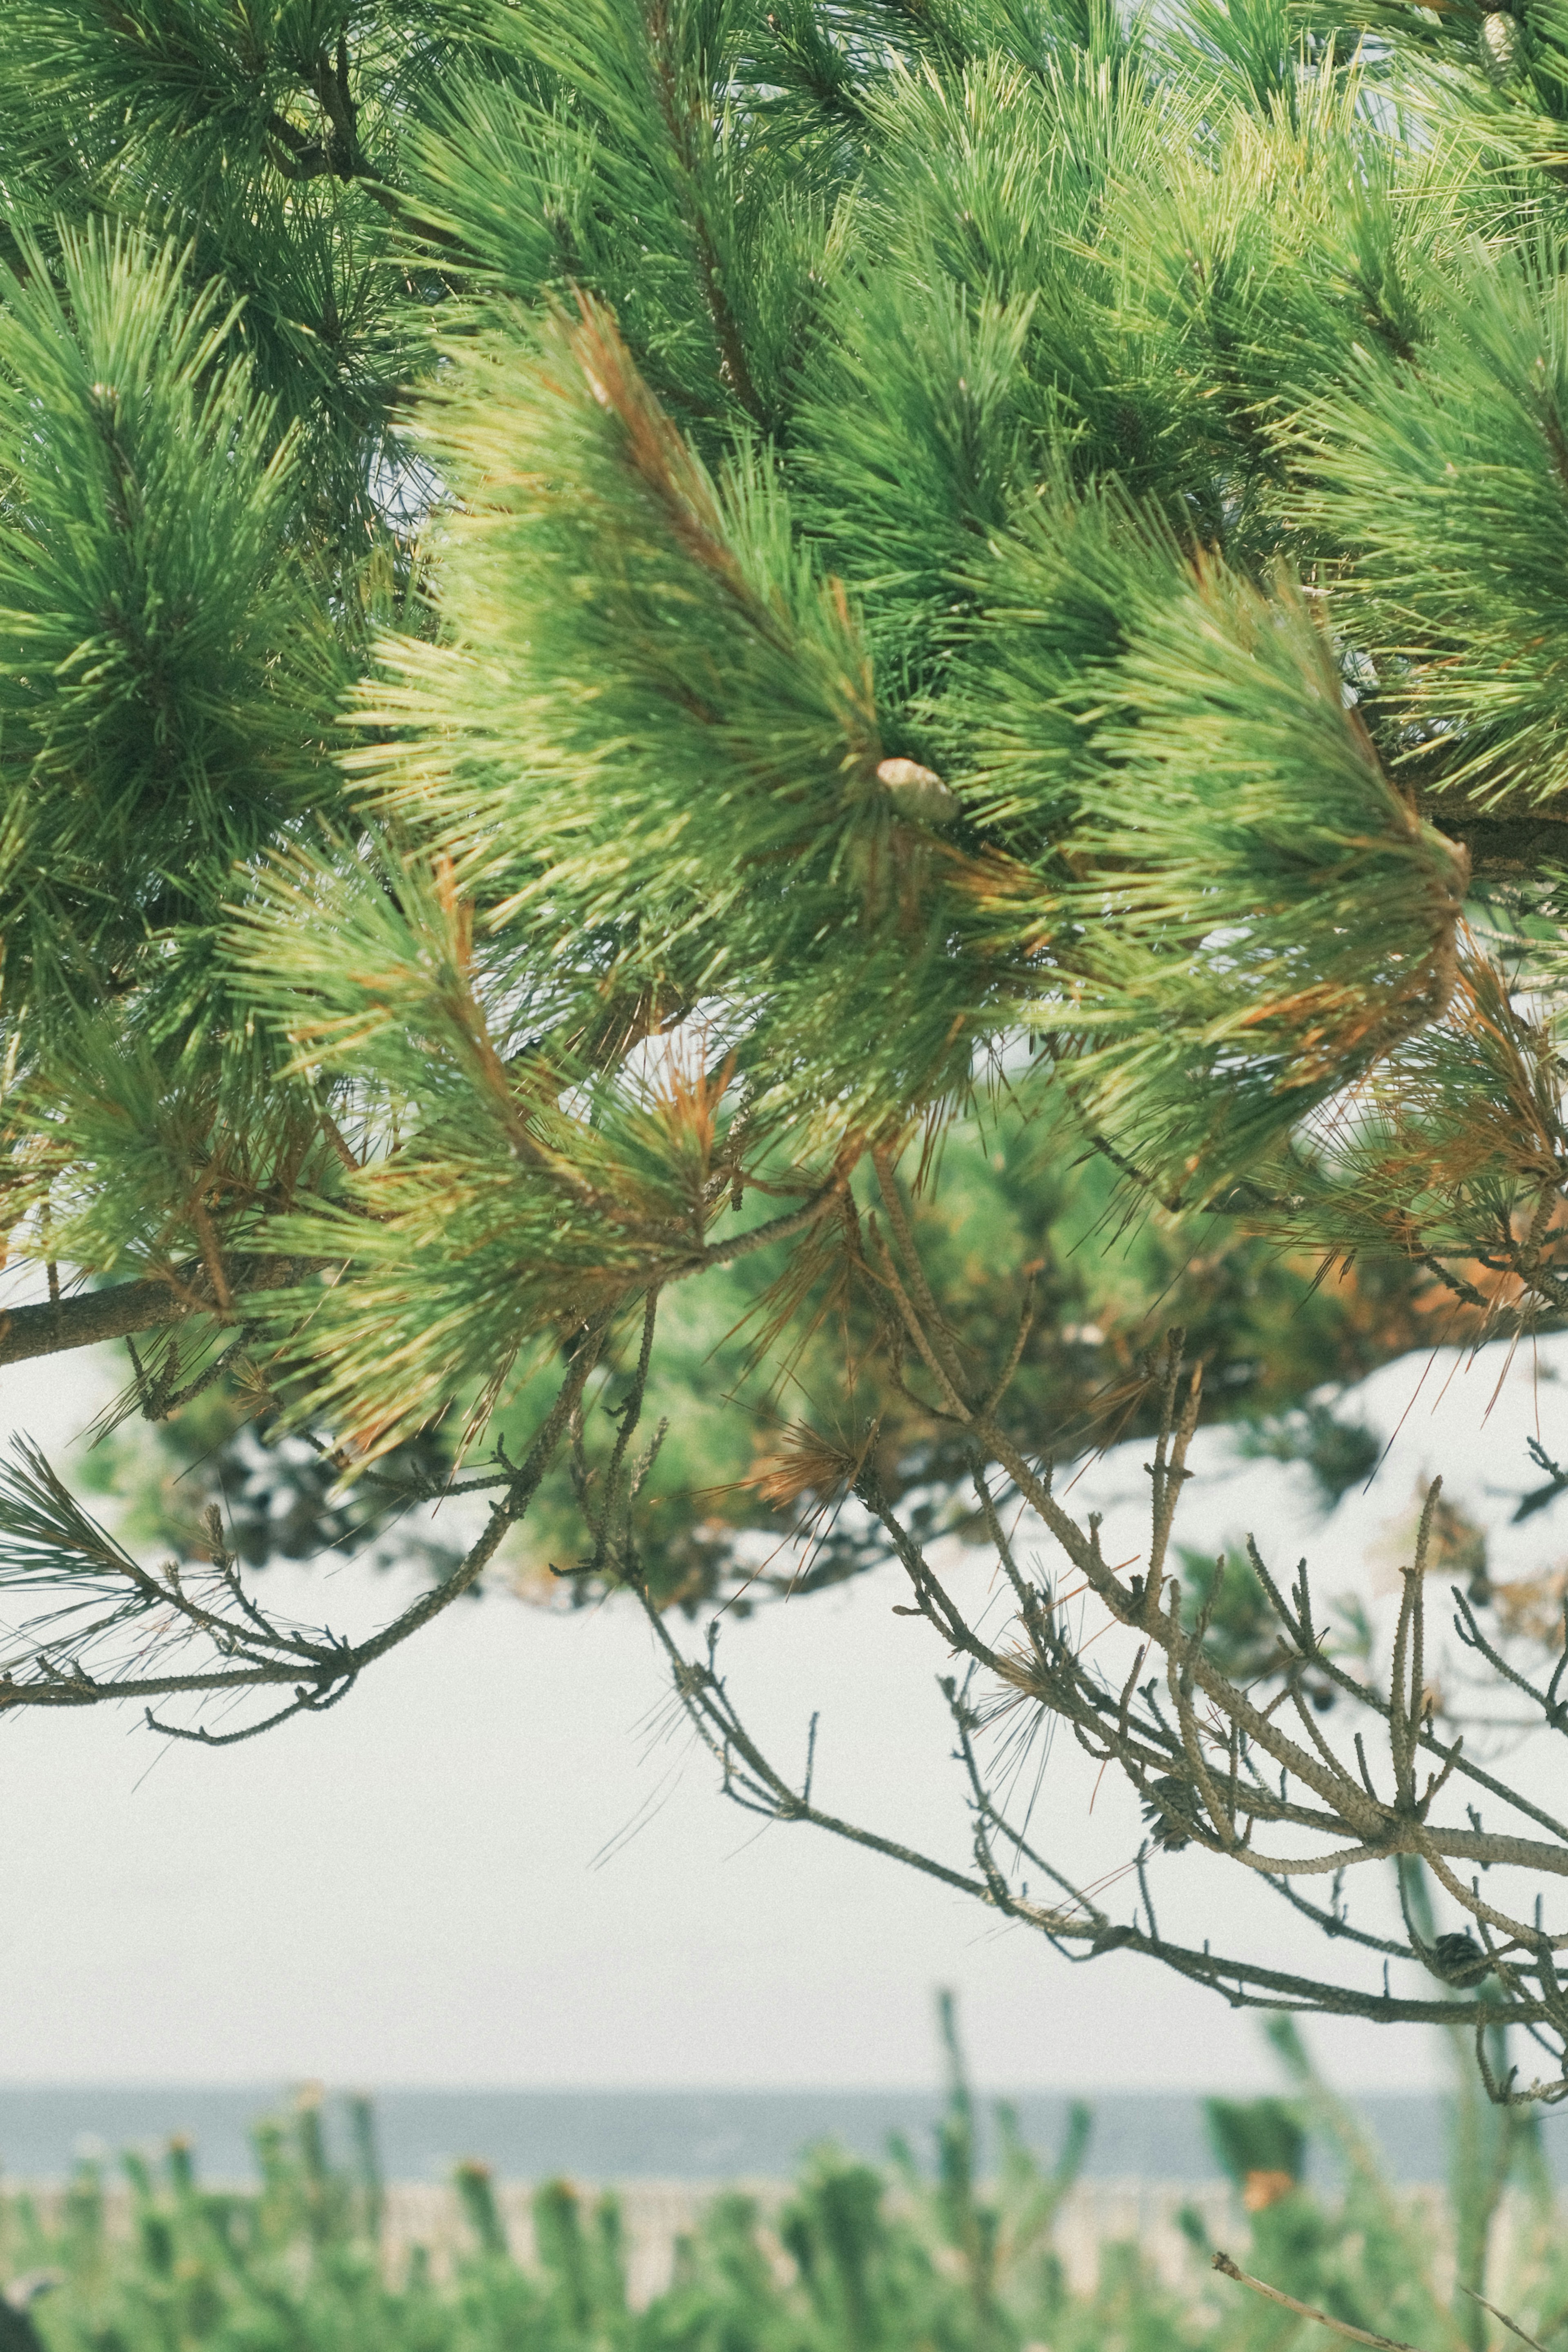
[(325, 1662), (1306, 2311), (1512, 2324)]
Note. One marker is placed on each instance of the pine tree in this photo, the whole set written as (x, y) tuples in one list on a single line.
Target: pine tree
[(679, 671)]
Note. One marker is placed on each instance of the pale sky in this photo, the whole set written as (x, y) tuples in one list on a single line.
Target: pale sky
[(415, 1889)]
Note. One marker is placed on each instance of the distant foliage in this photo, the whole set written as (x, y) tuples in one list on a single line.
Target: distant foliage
[(858, 2259)]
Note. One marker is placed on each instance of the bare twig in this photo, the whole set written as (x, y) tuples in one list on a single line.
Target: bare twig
[(1306, 2311)]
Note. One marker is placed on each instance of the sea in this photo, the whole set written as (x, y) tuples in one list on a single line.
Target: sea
[(598, 2136)]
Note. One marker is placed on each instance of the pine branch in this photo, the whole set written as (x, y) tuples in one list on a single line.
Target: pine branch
[(121, 1309)]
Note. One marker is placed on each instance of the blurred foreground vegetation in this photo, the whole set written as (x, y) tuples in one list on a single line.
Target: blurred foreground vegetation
[(860, 2258)]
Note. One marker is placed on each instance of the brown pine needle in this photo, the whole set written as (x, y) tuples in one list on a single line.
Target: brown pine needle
[(1305, 2311)]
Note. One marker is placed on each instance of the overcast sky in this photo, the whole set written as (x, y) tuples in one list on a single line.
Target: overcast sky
[(432, 1885)]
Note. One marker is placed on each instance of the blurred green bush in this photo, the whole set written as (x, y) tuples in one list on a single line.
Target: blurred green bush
[(860, 2258)]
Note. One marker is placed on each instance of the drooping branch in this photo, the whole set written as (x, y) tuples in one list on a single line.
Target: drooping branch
[(1209, 1757), (47, 1541)]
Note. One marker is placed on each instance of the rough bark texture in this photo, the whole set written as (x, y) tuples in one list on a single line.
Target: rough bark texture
[(53, 1327), (1504, 844)]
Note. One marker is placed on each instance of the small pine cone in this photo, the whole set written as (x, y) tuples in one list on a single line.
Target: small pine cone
[(1501, 43), (1172, 1812), (916, 793), (1459, 1958)]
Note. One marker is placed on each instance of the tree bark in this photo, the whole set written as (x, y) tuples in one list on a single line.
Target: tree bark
[(1504, 844), (55, 1326)]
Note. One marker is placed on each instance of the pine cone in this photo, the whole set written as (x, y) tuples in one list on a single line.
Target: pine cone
[(1502, 44), (1459, 1958), (1172, 1812), (916, 793)]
